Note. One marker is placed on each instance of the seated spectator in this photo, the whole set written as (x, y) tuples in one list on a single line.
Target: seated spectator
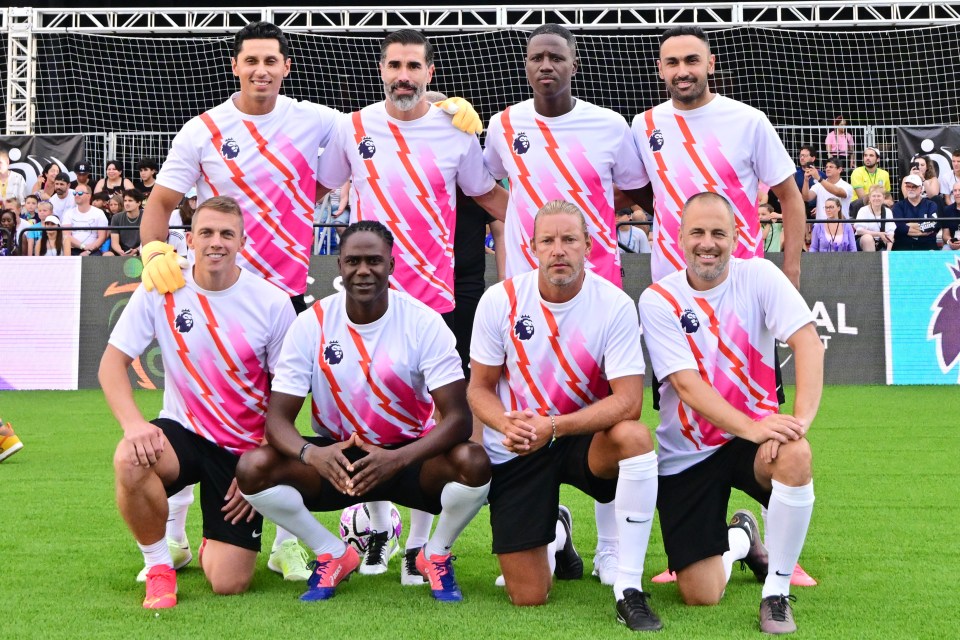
[(29, 209), (86, 242), (772, 227), (53, 242), (8, 233), (61, 198), (831, 186), (126, 242), (148, 169), (113, 182), (99, 200), (114, 204), (84, 177), (630, 238), (12, 184), (32, 237), (182, 217), (43, 187), (870, 235), (951, 178), (839, 143), (923, 167), (915, 236), (832, 236), (869, 174), (951, 228)]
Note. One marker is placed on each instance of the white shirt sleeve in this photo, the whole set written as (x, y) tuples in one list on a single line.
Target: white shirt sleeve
[(623, 354), (668, 348), (181, 170), (487, 341), (334, 167), (293, 373), (283, 317), (491, 153), (135, 329), (771, 162), (472, 174), (439, 361), (628, 171), (784, 309)]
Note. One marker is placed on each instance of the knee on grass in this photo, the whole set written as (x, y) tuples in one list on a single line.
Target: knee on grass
[(253, 470)]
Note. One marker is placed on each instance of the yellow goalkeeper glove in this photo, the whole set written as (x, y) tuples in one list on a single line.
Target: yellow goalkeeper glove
[(162, 267), (464, 115)]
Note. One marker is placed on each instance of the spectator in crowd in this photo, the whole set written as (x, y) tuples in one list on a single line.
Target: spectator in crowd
[(629, 236), (182, 217), (54, 241), (869, 174), (32, 237), (923, 167), (807, 158), (8, 233), (43, 187), (951, 228), (148, 168), (113, 182), (948, 180), (29, 211), (126, 242), (84, 177), (12, 183), (85, 242), (915, 236), (831, 186), (13, 204), (99, 200), (61, 199), (833, 235), (772, 227), (839, 142), (114, 204), (873, 235)]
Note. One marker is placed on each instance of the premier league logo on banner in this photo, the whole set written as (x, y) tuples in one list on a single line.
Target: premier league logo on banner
[(945, 323)]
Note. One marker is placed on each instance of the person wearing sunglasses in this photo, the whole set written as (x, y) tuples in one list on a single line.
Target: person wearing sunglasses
[(85, 242)]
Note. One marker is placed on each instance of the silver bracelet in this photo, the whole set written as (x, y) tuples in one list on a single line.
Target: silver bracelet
[(553, 425), (303, 450)]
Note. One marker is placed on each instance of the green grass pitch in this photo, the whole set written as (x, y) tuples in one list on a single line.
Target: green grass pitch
[(883, 545)]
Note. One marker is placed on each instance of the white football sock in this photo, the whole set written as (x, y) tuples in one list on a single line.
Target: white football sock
[(739, 543), (763, 516), (282, 536), (460, 504), (790, 511), (179, 504), (606, 517), (380, 520), (156, 554), (635, 502), (284, 505), (560, 539), (420, 524)]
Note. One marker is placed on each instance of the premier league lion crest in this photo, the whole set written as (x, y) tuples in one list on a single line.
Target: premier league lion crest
[(230, 149), (366, 148), (333, 354), (521, 143), (524, 329), (184, 321), (689, 321), (945, 322), (656, 140)]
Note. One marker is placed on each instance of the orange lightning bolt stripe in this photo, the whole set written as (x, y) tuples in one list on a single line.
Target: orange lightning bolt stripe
[(345, 411), (663, 176), (523, 362), (523, 176), (573, 380), (385, 402)]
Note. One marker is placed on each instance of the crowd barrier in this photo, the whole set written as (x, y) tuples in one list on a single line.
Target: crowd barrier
[(884, 318)]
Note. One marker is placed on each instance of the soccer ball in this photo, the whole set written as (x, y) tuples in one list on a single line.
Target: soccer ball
[(355, 526)]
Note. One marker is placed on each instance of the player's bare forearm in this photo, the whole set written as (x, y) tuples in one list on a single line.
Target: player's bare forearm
[(794, 229), (281, 432), (116, 386), (808, 363), (155, 224), (455, 426), (494, 202), (624, 403), (483, 398)]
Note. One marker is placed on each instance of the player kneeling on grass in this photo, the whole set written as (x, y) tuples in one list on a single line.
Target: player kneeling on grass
[(711, 332), (377, 362), (557, 379), (220, 338)]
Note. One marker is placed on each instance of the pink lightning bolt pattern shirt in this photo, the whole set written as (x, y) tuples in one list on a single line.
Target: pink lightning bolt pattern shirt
[(557, 357), (727, 335), (576, 157), (724, 146), (268, 165), (370, 379), (218, 348), (405, 175)]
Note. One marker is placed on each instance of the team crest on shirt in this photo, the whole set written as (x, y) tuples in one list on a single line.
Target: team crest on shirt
[(521, 143), (333, 353), (184, 321), (523, 329), (230, 149), (656, 140), (689, 321), (366, 148)]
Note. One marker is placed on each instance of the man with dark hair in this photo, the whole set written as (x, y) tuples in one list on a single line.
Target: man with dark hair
[(148, 169), (126, 242), (869, 174), (351, 351), (711, 331), (61, 199), (220, 339), (833, 186), (82, 171)]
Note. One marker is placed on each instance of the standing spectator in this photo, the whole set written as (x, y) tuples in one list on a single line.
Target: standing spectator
[(629, 236), (32, 237), (84, 177), (869, 233), (53, 242), (915, 236), (831, 186), (148, 169), (951, 236), (8, 233), (43, 187), (948, 180), (126, 242), (833, 235), (114, 182), (923, 167), (772, 228), (61, 200), (12, 183), (89, 242), (839, 142), (869, 174)]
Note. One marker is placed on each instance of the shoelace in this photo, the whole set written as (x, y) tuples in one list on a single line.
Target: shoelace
[(378, 543), (638, 604), (410, 560), (318, 572), (161, 584), (779, 606), (444, 571)]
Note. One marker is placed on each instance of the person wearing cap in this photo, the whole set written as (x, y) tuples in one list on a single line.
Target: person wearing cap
[(62, 199), (53, 242), (82, 171), (148, 169), (915, 236), (869, 174)]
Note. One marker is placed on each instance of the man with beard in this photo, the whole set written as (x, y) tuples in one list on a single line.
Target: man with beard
[(869, 174), (559, 388), (711, 332)]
